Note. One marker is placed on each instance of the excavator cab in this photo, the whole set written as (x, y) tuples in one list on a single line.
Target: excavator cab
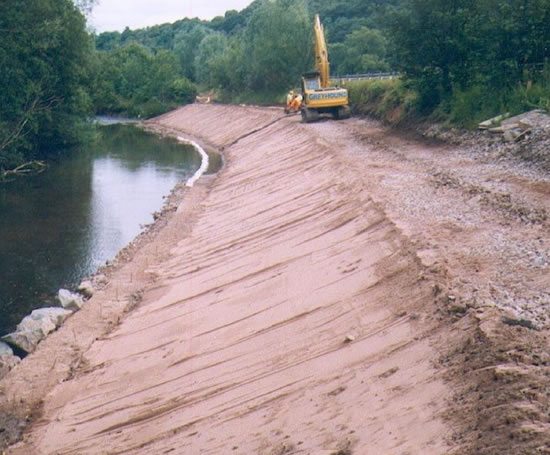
[(311, 81)]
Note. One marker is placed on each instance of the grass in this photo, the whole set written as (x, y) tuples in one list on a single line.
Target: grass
[(467, 108), (390, 100)]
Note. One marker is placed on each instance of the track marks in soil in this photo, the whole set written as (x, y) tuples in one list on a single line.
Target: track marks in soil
[(251, 313)]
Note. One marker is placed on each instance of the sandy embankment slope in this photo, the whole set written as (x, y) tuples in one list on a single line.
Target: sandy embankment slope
[(240, 344)]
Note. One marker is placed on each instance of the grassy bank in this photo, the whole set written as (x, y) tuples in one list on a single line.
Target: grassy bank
[(396, 101), (389, 100)]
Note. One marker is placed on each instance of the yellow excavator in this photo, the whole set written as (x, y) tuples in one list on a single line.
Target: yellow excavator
[(318, 96)]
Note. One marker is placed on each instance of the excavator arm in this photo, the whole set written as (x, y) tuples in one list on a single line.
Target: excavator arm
[(321, 53)]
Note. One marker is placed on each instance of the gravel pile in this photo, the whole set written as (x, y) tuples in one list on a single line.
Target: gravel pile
[(534, 148)]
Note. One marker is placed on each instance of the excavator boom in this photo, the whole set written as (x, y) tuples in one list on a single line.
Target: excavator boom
[(322, 63)]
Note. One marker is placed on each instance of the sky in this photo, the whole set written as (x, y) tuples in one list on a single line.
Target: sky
[(111, 15)]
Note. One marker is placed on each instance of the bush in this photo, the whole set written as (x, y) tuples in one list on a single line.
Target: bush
[(135, 81), (390, 100), (467, 107), (151, 108), (183, 91)]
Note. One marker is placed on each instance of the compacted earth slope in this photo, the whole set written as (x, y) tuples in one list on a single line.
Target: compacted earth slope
[(306, 300)]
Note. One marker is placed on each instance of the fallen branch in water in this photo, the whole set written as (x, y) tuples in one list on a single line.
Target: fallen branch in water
[(30, 168)]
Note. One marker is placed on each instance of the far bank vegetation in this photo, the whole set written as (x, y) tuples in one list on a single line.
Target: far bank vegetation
[(460, 62)]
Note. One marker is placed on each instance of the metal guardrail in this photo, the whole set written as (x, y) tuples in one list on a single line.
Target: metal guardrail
[(364, 77)]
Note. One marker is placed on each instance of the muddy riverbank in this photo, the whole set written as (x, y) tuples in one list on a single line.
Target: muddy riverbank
[(316, 296)]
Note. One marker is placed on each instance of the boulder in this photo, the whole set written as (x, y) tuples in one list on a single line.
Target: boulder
[(31, 331), (5, 349), (42, 326), (69, 300), (56, 316), (26, 341), (86, 288)]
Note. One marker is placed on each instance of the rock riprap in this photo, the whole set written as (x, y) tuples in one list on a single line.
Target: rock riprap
[(35, 327), (7, 359), (5, 349), (86, 288), (69, 300)]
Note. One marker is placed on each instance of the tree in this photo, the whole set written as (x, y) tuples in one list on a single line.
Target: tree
[(278, 45), (186, 45), (207, 61), (429, 42), (134, 80), (230, 23), (445, 47), (86, 6), (509, 41), (228, 67), (363, 50), (44, 56)]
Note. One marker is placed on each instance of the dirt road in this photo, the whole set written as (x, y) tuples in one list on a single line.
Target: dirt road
[(336, 289)]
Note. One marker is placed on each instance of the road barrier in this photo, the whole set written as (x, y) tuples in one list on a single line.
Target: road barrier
[(364, 77)]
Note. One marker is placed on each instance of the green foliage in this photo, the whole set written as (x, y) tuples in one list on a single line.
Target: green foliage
[(396, 101), (182, 90), (85, 6), (364, 50), (44, 56), (473, 105), (391, 100), (133, 80), (186, 45), (462, 60), (208, 60), (267, 46), (277, 44), (254, 98), (264, 49), (342, 17), (230, 22), (158, 36), (453, 49)]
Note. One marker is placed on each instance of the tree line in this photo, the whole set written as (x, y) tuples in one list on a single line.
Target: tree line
[(261, 51), (476, 55), (460, 55)]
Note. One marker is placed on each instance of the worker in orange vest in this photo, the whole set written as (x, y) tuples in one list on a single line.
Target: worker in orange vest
[(293, 102)]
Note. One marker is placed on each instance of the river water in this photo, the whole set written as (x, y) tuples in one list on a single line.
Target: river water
[(61, 225)]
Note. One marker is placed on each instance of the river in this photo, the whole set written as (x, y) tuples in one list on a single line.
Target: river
[(62, 225)]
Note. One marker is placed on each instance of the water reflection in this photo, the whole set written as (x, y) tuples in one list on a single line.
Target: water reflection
[(61, 225)]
